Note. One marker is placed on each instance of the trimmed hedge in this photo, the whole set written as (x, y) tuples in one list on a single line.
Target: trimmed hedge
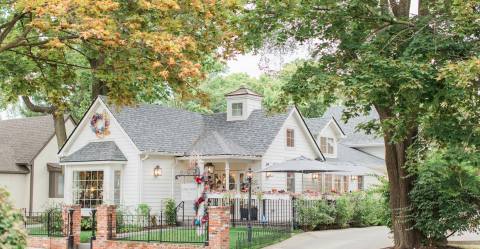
[(357, 209)]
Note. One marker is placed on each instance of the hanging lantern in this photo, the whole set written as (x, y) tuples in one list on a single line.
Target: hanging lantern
[(157, 171)]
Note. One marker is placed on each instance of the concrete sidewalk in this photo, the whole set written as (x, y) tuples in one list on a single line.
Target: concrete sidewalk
[(358, 238)]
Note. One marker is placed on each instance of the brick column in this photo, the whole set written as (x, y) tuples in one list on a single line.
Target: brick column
[(219, 227), (76, 218), (106, 222)]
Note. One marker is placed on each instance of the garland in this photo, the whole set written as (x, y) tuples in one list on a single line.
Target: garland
[(103, 130), (200, 208)]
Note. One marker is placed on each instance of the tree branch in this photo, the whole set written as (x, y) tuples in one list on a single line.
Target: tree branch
[(36, 108), (6, 28)]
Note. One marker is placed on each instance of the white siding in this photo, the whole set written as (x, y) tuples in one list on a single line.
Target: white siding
[(84, 135), (329, 131), (279, 152), (41, 175), (18, 185), (156, 190)]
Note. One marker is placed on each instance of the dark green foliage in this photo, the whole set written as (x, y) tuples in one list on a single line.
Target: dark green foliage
[(368, 209), (170, 212), (344, 211), (12, 234), (86, 223), (315, 216), (447, 193)]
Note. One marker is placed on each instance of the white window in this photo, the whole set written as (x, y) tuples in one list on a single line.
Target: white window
[(88, 188), (290, 138), (117, 187), (327, 145), (237, 109), (56, 184)]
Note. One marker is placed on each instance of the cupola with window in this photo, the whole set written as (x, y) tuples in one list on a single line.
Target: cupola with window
[(241, 103)]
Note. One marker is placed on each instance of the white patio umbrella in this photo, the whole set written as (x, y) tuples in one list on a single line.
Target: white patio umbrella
[(307, 166), (304, 165)]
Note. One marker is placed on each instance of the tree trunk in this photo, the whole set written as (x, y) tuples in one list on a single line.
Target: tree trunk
[(98, 86), (400, 183), (58, 119), (60, 130)]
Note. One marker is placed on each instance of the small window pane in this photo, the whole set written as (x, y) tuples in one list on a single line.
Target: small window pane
[(290, 138), (237, 109)]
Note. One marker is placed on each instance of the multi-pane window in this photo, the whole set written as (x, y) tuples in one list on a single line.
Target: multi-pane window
[(290, 138), (237, 109), (328, 183), (88, 188), (360, 183), (327, 145), (345, 183), (338, 184), (55, 184), (291, 182)]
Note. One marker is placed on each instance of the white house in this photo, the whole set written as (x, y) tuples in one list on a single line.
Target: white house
[(340, 142), (29, 167), (143, 154)]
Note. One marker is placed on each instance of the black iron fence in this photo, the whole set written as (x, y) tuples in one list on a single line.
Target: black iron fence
[(49, 223), (278, 212), (259, 236), (159, 228)]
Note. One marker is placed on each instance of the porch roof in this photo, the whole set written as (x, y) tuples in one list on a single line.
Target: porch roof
[(96, 151)]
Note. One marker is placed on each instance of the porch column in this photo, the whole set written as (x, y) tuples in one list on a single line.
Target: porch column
[(227, 175)]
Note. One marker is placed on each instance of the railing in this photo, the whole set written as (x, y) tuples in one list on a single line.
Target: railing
[(266, 211), (159, 228), (48, 223), (180, 205)]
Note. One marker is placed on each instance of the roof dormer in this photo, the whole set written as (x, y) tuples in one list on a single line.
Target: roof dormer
[(241, 102)]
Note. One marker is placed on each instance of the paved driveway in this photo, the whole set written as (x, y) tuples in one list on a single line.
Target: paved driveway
[(358, 238)]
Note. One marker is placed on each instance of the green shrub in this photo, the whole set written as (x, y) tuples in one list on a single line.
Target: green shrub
[(86, 223), (12, 230), (344, 211), (368, 209), (143, 209), (311, 217), (446, 196), (170, 212)]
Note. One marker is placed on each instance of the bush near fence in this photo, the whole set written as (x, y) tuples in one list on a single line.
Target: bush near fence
[(357, 209)]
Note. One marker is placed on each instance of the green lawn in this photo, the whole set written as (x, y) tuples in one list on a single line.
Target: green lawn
[(85, 236)]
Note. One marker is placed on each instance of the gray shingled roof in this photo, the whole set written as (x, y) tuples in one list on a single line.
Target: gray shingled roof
[(351, 156), (315, 125), (252, 136), (96, 151), (354, 137), (170, 130), (21, 140), (243, 90)]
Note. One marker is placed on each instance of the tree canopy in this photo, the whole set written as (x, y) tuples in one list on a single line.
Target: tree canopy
[(51, 49), (419, 71)]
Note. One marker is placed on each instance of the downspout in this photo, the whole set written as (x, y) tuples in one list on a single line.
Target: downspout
[(30, 201)]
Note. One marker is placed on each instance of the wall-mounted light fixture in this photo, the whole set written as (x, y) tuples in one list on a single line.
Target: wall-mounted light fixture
[(315, 176), (209, 168), (157, 171), (268, 174), (353, 178)]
